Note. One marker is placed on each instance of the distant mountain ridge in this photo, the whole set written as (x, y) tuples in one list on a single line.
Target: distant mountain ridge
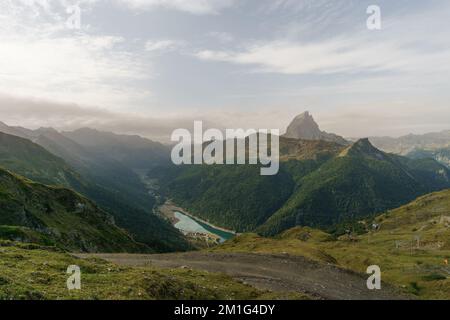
[(111, 160), (441, 155), (409, 143), (304, 127), (133, 151), (113, 186)]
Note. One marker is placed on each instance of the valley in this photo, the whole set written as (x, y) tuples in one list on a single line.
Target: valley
[(322, 266), (113, 186), (226, 150), (319, 185), (115, 206)]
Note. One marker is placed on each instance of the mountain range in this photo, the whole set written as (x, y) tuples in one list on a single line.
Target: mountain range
[(324, 180), (434, 145), (334, 207), (113, 161), (112, 185), (412, 142), (320, 184), (360, 181)]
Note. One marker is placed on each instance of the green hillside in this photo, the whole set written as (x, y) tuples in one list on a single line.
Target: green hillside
[(36, 163), (242, 200), (105, 171), (360, 181), (410, 244), (237, 197), (30, 272), (33, 212), (320, 184), (441, 155)]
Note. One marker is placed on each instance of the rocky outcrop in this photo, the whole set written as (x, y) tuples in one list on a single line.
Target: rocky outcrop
[(304, 127)]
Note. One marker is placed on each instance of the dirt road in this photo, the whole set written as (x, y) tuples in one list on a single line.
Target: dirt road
[(279, 273)]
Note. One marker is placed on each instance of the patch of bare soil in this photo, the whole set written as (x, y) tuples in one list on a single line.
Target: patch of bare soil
[(278, 273)]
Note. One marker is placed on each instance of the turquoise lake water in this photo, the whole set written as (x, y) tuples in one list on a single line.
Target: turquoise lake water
[(188, 224)]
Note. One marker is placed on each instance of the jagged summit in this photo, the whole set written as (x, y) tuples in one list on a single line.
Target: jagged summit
[(305, 127), (305, 116)]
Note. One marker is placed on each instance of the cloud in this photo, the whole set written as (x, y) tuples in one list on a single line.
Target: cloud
[(41, 57), (295, 58), (200, 7), (396, 48), (338, 55), (163, 45), (358, 121), (223, 37), (340, 63), (35, 113)]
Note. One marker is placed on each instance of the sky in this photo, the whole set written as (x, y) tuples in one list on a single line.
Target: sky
[(149, 66)]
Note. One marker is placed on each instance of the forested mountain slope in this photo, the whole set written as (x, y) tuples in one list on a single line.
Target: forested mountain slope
[(34, 162), (33, 212), (320, 184)]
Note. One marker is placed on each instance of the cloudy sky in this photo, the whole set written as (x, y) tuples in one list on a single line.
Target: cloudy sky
[(147, 66)]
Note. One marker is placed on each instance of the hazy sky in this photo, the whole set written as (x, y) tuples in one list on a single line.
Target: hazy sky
[(146, 66)]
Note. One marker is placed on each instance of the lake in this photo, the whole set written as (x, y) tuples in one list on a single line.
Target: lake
[(188, 224)]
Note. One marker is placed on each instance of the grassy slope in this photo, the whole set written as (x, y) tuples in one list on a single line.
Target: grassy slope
[(55, 215), (419, 270), (32, 272)]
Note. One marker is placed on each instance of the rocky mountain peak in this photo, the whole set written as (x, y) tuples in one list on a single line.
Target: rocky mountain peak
[(305, 127), (305, 116)]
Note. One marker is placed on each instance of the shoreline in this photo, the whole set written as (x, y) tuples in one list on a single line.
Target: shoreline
[(170, 206)]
